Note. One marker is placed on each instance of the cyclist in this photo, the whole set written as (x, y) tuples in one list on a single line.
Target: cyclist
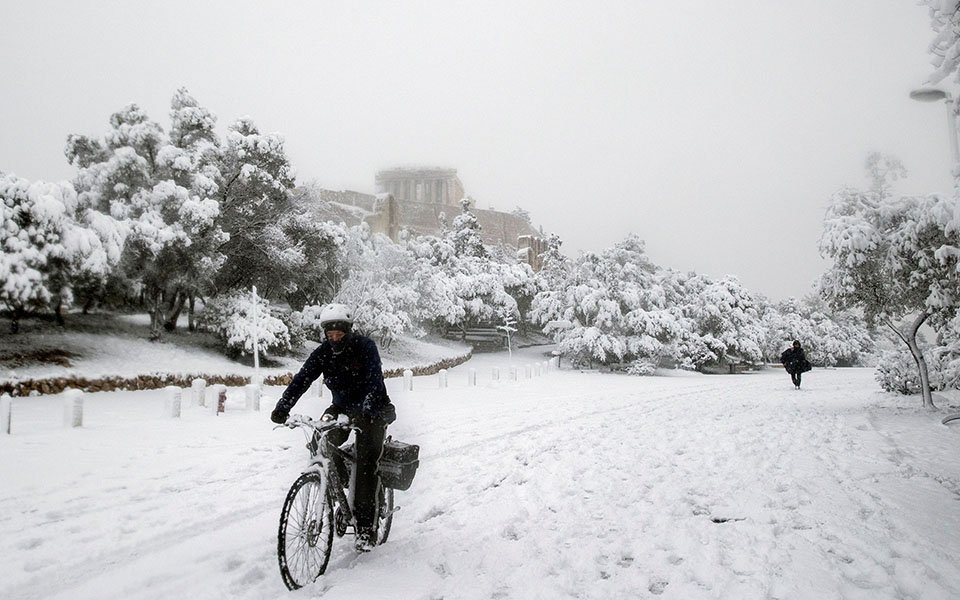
[(351, 368)]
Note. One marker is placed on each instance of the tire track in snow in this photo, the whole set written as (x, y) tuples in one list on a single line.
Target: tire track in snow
[(70, 575), (593, 412)]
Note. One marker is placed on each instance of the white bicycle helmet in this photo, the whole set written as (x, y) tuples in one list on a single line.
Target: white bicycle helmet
[(332, 313)]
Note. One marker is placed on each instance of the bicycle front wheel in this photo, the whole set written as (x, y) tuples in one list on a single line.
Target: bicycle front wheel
[(306, 531)]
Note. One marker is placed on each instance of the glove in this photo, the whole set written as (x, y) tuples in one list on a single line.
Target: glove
[(326, 417), (279, 416)]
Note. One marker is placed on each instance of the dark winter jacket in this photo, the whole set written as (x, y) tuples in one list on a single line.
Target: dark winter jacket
[(795, 361), (353, 374)]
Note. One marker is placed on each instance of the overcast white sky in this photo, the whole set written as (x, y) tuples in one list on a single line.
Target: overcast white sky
[(716, 131)]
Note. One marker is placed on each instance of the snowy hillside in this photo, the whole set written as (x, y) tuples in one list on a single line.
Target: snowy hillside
[(105, 345), (569, 485)]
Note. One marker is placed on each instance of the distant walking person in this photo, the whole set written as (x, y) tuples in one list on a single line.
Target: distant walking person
[(795, 362)]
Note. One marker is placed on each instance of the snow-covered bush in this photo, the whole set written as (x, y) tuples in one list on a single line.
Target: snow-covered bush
[(233, 318), (642, 366), (308, 321), (949, 355), (897, 372), (291, 320)]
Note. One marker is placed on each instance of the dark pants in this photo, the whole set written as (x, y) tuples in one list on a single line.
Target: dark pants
[(795, 377), (369, 447)]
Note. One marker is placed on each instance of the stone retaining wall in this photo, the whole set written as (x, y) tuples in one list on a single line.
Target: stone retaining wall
[(153, 381)]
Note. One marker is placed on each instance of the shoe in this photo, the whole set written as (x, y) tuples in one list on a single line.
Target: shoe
[(366, 540)]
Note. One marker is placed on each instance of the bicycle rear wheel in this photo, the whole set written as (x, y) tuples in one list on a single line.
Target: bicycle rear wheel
[(384, 513), (306, 531)]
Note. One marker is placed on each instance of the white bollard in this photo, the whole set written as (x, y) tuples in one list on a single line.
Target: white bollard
[(6, 412), (198, 387), (495, 374), (218, 398), (537, 369), (408, 380), (555, 361), (171, 405), (472, 377), (73, 408), (442, 378), (513, 373), (527, 371), (253, 396)]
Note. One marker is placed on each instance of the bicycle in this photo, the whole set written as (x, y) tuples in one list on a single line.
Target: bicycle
[(319, 505)]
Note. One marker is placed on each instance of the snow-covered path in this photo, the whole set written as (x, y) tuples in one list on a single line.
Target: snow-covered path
[(570, 485)]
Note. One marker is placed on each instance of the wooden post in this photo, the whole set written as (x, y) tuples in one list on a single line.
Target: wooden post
[(495, 374), (443, 378), (408, 380), (472, 377)]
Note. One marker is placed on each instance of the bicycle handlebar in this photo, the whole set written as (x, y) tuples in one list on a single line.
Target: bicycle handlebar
[(295, 421)]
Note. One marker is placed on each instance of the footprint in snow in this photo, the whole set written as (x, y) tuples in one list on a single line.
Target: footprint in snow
[(433, 513), (657, 586), (30, 544)]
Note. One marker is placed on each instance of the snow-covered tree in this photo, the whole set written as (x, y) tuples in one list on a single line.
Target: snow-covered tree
[(945, 47), (896, 258), (255, 180), (321, 268), (380, 286), (50, 241), (162, 192), (465, 233), (830, 338), (610, 308), (724, 323), (478, 287), (191, 159)]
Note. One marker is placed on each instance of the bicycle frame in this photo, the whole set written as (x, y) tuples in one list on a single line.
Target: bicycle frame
[(323, 455)]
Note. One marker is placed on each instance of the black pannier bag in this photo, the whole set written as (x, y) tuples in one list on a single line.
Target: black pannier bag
[(398, 464)]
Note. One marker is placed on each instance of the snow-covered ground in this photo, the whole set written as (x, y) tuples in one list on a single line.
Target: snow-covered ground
[(568, 485)]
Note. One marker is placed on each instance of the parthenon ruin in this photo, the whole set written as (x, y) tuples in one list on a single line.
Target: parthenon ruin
[(427, 185), (424, 200)]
